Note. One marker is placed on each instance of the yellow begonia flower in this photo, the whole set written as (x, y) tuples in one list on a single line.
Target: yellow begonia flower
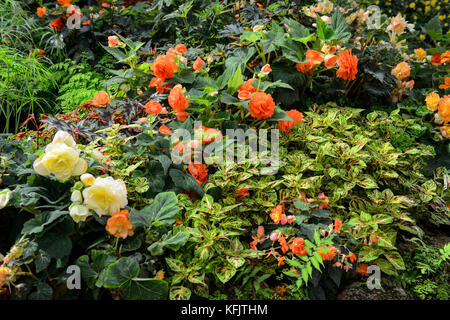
[(61, 160), (106, 196), (87, 179)]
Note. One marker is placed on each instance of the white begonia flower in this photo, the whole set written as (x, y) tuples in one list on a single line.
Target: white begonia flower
[(106, 196), (5, 195), (78, 212), (87, 179)]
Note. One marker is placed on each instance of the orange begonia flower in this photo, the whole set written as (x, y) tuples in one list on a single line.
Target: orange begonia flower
[(305, 67), (266, 69), (181, 115), (57, 24), (153, 107), (177, 100), (432, 101), (401, 71), (247, 86), (199, 171), (444, 108), (198, 64), (330, 60), (286, 125), (297, 247), (243, 192), (101, 99), (315, 57), (277, 214), (362, 270), (351, 256), (158, 83), (164, 67), (165, 130), (119, 225), (446, 83), (180, 48), (284, 247), (41, 11), (436, 59), (348, 65), (329, 255), (445, 57), (337, 225), (64, 3), (261, 106)]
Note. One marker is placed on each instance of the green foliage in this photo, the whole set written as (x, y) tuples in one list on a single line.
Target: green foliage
[(25, 87), (78, 83)]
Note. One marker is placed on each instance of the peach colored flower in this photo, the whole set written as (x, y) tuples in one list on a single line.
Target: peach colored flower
[(401, 71), (113, 41), (198, 64), (119, 225)]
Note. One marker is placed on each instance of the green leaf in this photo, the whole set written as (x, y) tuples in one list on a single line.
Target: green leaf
[(36, 225), (163, 209), (179, 293), (395, 259), (173, 242), (224, 274), (339, 26), (367, 254), (235, 81), (324, 32), (146, 289), (43, 292), (120, 273)]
